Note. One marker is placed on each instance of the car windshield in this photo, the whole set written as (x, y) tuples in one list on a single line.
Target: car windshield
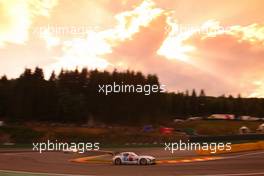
[(129, 154), (133, 154)]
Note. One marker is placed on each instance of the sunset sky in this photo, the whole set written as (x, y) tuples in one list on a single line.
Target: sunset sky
[(213, 45)]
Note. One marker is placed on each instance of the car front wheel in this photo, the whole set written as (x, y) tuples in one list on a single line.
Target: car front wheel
[(143, 161)]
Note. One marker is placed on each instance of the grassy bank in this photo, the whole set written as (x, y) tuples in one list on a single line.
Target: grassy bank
[(119, 135)]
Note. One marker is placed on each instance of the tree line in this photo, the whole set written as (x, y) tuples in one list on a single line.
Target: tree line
[(72, 96)]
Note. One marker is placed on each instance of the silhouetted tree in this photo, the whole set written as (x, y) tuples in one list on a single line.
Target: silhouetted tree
[(72, 96)]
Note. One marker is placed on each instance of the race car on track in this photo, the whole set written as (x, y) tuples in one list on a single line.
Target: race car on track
[(132, 158)]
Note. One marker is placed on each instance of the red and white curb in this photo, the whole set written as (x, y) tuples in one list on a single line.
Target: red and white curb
[(188, 160), (171, 161)]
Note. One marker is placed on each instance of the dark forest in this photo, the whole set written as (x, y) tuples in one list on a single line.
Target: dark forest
[(73, 97)]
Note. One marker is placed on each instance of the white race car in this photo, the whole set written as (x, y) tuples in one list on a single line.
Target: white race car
[(132, 158)]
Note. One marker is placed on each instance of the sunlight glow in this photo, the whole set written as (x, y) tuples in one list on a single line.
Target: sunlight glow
[(173, 46), (90, 52)]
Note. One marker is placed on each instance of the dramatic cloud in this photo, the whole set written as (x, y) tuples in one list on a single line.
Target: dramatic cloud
[(234, 56), (218, 47), (89, 52)]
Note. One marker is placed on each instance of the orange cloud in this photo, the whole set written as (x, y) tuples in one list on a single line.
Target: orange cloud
[(90, 51), (146, 37), (235, 56), (140, 41)]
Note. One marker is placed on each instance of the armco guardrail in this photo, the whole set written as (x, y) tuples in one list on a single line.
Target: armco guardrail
[(226, 138)]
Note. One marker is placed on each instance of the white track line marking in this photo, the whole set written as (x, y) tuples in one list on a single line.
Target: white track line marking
[(41, 173), (257, 173), (241, 155), (238, 156)]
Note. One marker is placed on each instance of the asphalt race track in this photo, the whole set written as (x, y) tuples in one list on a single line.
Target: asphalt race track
[(55, 163)]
